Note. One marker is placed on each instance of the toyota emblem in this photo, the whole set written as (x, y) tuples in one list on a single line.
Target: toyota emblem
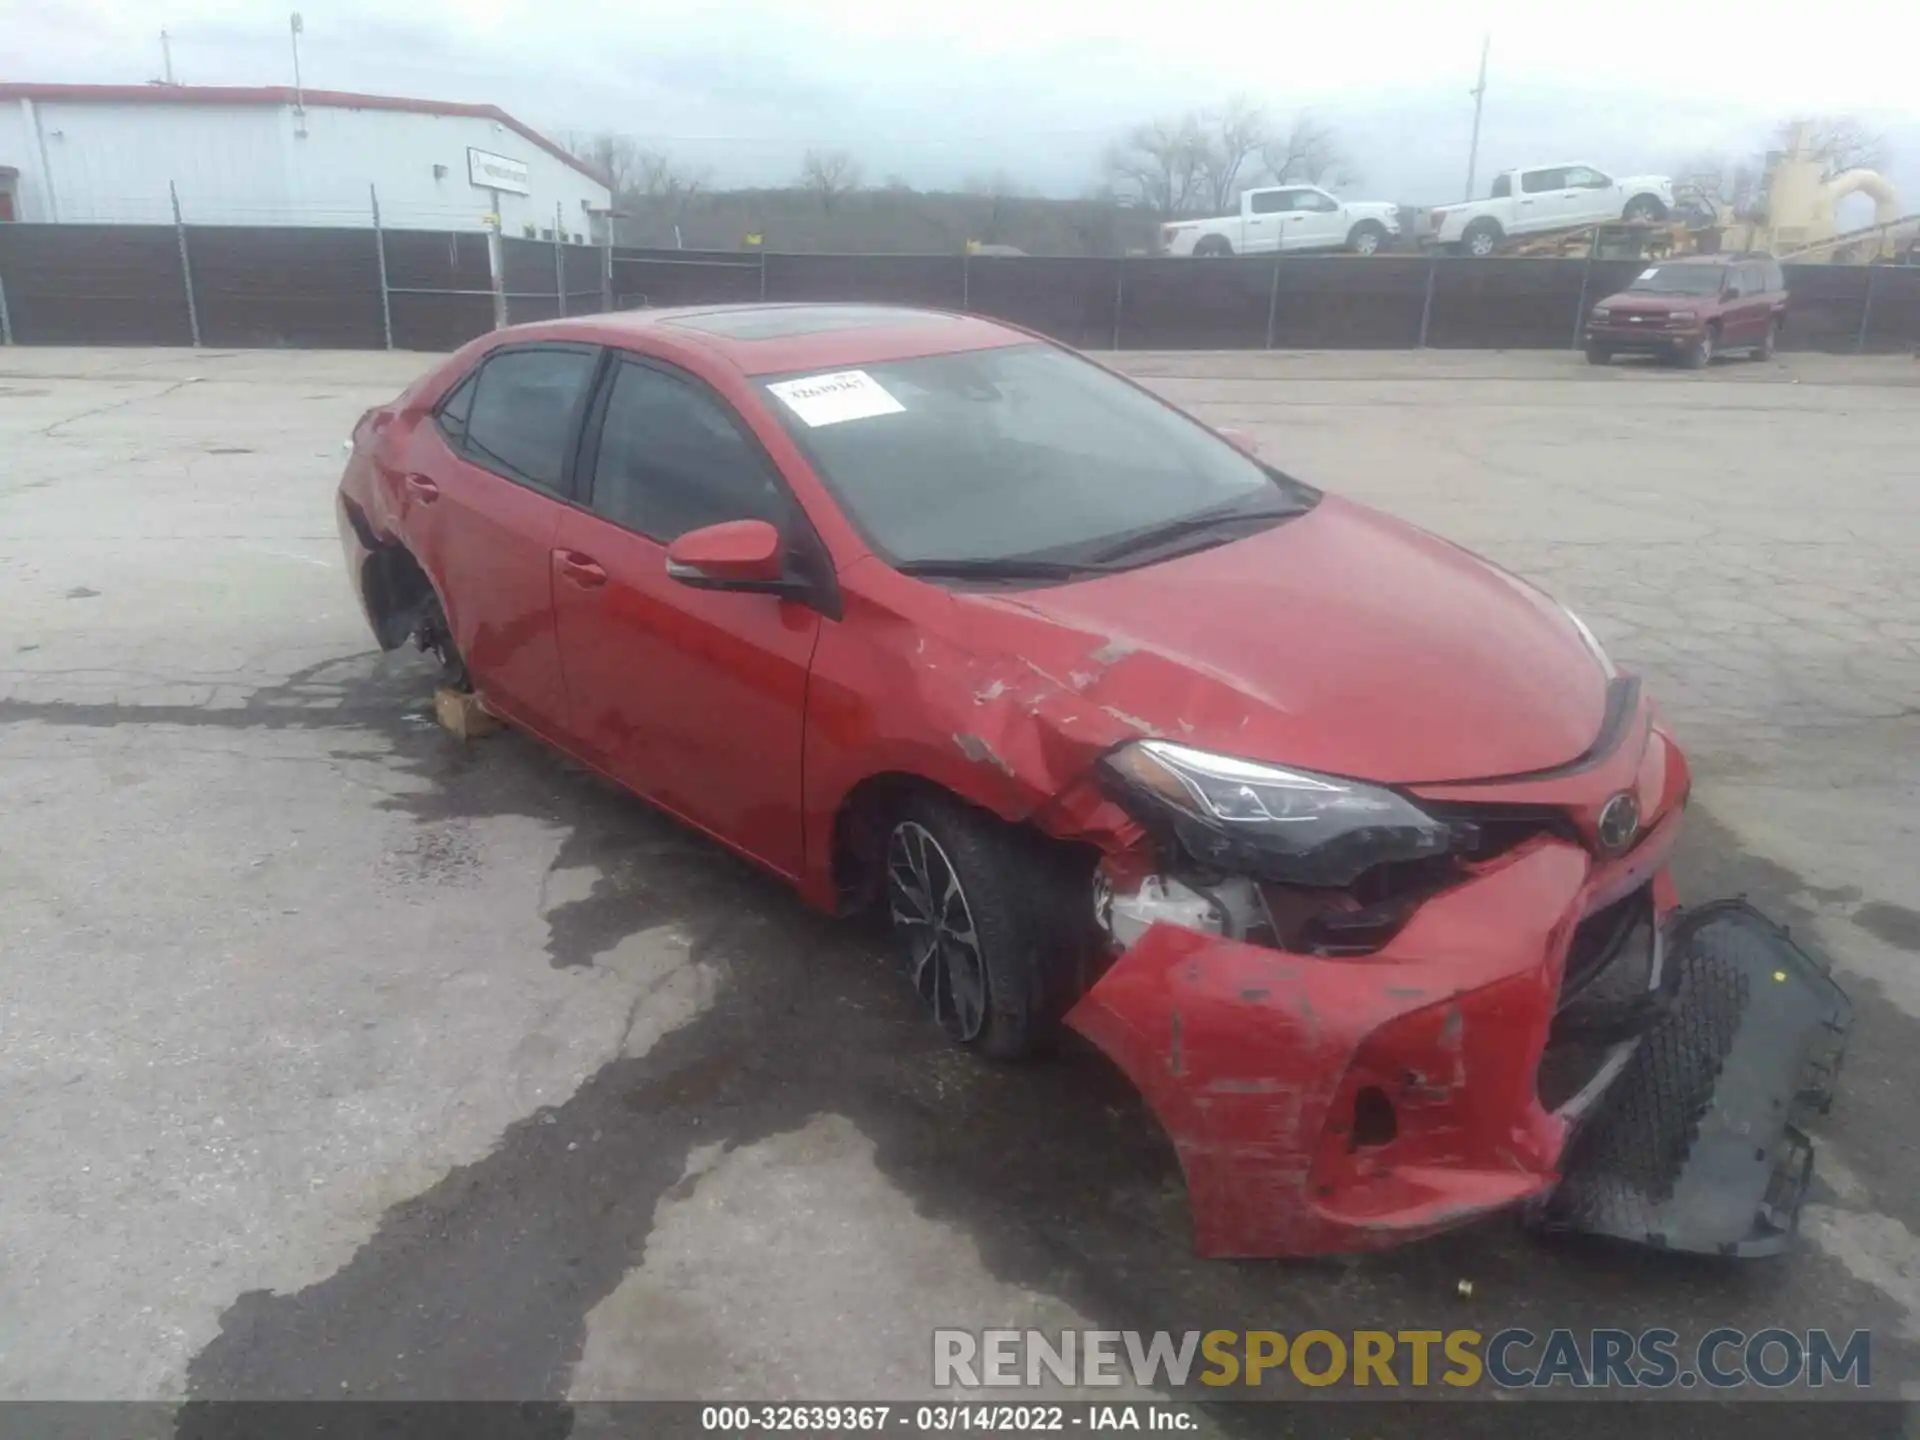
[(1619, 823)]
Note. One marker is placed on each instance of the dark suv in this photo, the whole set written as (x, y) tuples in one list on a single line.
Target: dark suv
[(1691, 310)]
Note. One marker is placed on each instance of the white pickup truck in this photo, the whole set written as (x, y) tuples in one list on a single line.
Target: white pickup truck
[(1548, 197), (1286, 217)]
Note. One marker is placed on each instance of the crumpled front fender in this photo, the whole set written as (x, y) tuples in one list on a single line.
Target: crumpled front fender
[(1256, 1062)]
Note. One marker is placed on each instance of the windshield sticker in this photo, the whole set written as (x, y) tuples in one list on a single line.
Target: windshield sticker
[(1650, 272), (829, 399)]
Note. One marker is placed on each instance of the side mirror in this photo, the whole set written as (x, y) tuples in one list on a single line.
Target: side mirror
[(734, 555), (1239, 439)]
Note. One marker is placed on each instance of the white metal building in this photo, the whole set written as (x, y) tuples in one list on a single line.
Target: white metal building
[(276, 156)]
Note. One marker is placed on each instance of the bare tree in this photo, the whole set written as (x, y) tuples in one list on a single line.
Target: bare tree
[(829, 174), (1710, 184), (662, 189), (1162, 164), (1234, 135), (997, 189), (1310, 153), (614, 156), (1840, 143)]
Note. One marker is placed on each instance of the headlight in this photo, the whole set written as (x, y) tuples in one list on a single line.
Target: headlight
[(1602, 314), (1249, 817), (1593, 645)]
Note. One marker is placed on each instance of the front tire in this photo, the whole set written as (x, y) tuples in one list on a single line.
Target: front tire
[(976, 925), (1769, 342), (1699, 355), (1366, 238), (1212, 245), (1598, 355)]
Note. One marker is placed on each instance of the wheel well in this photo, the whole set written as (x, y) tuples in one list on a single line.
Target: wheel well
[(397, 591), (860, 834), (1659, 205), (1482, 223)]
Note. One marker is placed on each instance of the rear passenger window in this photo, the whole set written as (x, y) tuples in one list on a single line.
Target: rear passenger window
[(1272, 202), (1502, 186), (522, 413), (1535, 181), (671, 459), (453, 409)]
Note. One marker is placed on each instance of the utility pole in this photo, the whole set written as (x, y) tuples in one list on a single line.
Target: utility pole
[(1479, 100), (166, 58), (296, 26)]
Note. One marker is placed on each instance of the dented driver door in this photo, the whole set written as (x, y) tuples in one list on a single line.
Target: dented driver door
[(694, 698)]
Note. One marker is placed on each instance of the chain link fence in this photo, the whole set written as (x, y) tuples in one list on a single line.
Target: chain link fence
[(363, 286)]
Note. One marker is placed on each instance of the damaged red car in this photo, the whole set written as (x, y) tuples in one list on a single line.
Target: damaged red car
[(1348, 848)]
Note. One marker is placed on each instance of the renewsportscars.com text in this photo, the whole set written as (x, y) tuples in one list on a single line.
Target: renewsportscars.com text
[(1598, 1359)]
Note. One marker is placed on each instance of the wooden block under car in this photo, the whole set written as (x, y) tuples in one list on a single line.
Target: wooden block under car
[(462, 715)]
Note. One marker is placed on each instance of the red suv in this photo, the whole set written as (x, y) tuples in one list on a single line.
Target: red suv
[(1691, 310)]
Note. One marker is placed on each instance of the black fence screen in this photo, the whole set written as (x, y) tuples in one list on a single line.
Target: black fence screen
[(364, 288)]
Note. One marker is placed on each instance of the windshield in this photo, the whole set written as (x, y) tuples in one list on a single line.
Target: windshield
[(1678, 280), (1022, 452)]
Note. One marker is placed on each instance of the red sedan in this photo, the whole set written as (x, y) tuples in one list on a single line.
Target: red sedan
[(1349, 848)]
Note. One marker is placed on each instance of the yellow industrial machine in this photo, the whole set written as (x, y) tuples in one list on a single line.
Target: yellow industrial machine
[(1797, 215)]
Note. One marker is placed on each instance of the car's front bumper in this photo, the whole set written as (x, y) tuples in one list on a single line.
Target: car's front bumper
[(1256, 1060), (1657, 338), (1326, 1104)]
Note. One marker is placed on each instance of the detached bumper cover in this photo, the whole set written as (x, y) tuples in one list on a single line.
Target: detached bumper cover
[(1272, 1073), (1699, 1145)]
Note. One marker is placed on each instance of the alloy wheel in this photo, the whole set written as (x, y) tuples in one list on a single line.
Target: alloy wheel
[(931, 916)]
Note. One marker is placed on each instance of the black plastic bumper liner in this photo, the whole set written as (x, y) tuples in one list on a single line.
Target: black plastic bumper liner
[(1699, 1144)]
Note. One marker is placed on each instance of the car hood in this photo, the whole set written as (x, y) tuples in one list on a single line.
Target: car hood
[(1343, 641), (1648, 303)]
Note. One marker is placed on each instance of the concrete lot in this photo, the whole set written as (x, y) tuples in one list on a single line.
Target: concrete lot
[(341, 1059)]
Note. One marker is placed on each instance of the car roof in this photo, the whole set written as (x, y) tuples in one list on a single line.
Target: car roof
[(772, 339)]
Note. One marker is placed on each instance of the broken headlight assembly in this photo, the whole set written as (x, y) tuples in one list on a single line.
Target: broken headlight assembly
[(1252, 818)]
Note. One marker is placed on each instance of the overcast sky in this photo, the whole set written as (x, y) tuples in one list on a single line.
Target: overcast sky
[(935, 92)]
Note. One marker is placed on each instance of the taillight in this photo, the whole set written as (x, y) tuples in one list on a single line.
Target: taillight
[(1167, 232)]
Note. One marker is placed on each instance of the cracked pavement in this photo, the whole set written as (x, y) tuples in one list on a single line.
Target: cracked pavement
[(342, 1059)]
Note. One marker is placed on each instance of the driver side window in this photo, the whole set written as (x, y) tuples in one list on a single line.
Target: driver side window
[(672, 458)]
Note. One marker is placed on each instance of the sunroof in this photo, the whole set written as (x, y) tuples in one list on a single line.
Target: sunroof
[(780, 321)]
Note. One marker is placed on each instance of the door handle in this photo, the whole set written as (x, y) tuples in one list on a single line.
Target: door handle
[(583, 570), (423, 489)]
